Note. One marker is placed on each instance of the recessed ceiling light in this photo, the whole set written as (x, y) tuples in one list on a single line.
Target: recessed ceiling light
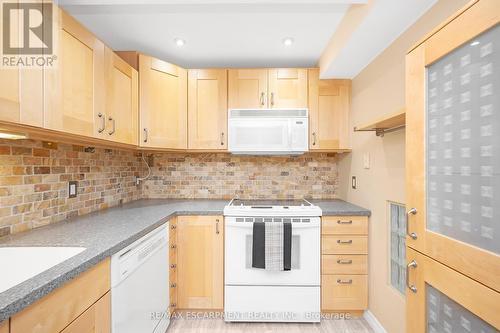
[(288, 41), (180, 42), (474, 43)]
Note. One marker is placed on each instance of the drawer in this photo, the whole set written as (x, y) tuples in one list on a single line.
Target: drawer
[(344, 264), (344, 292), (58, 309), (344, 225), (345, 244)]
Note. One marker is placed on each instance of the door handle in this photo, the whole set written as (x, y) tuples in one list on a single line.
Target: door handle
[(217, 227), (314, 138), (222, 139), (272, 99), (412, 211), (339, 241), (344, 222), (262, 101), (412, 264), (114, 125), (344, 262), (340, 281), (103, 122), (145, 134)]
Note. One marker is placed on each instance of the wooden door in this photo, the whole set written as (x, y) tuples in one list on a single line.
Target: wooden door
[(439, 299), (287, 88), (74, 93), (247, 88), (163, 104), (200, 264), (329, 107), (96, 319), (207, 109), (122, 104), (452, 137), (21, 98)]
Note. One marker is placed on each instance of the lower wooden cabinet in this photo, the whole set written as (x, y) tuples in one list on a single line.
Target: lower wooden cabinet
[(96, 319), (79, 302), (200, 262), (4, 326), (344, 263)]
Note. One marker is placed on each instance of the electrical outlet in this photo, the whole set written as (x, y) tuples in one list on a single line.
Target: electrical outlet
[(73, 189), (366, 160), (353, 182)]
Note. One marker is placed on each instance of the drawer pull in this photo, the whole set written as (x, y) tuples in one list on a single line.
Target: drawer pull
[(344, 261), (339, 241), (339, 281), (344, 222)]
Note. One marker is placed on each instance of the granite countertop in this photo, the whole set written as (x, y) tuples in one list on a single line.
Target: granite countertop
[(105, 233)]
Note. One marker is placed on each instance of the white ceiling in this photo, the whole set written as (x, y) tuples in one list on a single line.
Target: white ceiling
[(247, 33)]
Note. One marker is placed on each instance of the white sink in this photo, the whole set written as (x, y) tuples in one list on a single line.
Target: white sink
[(23, 263)]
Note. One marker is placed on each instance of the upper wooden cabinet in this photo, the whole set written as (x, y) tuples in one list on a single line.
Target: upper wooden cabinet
[(122, 103), (163, 104), (207, 109), (200, 258), (287, 88), (74, 94), (329, 106), (21, 99), (267, 88)]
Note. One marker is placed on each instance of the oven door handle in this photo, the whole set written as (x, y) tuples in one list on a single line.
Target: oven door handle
[(295, 226)]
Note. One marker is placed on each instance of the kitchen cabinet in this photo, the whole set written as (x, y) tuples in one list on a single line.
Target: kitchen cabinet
[(60, 308), (200, 270), (4, 326), (207, 109), (96, 319), (120, 122), (74, 89), (440, 299), (329, 107), (21, 99), (267, 88), (452, 163), (163, 104), (344, 263)]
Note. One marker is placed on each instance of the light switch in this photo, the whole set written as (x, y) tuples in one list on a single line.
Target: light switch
[(73, 188), (366, 160)]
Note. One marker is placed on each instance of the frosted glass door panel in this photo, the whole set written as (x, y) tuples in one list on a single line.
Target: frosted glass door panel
[(445, 315), (463, 143)]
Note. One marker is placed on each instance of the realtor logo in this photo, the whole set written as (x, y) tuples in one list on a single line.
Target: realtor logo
[(27, 28)]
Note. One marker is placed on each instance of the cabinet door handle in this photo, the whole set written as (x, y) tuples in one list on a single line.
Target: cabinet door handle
[(217, 226), (145, 134), (314, 138), (173, 305), (114, 125), (173, 227), (173, 266), (272, 99), (412, 264), (173, 246), (262, 100), (412, 211), (344, 222), (103, 122), (344, 262), (339, 241), (173, 285), (222, 139), (340, 281)]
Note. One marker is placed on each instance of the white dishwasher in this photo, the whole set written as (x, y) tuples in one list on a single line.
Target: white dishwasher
[(140, 285)]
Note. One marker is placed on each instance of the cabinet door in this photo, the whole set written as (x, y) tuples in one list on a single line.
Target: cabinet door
[(287, 88), (96, 319), (329, 107), (200, 244), (163, 104), (247, 88), (207, 109), (74, 88), (21, 99), (453, 144), (122, 104), (4, 326), (439, 299)]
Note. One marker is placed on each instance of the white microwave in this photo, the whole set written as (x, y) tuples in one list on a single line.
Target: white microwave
[(268, 131)]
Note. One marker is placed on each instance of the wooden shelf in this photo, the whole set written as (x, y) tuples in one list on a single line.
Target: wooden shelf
[(384, 125)]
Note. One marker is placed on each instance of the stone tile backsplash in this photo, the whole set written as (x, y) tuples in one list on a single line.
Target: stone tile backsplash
[(34, 178), (224, 176)]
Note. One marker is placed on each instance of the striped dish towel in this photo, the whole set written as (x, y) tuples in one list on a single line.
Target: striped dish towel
[(274, 246)]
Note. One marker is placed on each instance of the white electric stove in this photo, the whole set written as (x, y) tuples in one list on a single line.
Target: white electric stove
[(253, 294)]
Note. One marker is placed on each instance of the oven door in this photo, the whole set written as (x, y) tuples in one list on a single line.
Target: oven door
[(305, 270)]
